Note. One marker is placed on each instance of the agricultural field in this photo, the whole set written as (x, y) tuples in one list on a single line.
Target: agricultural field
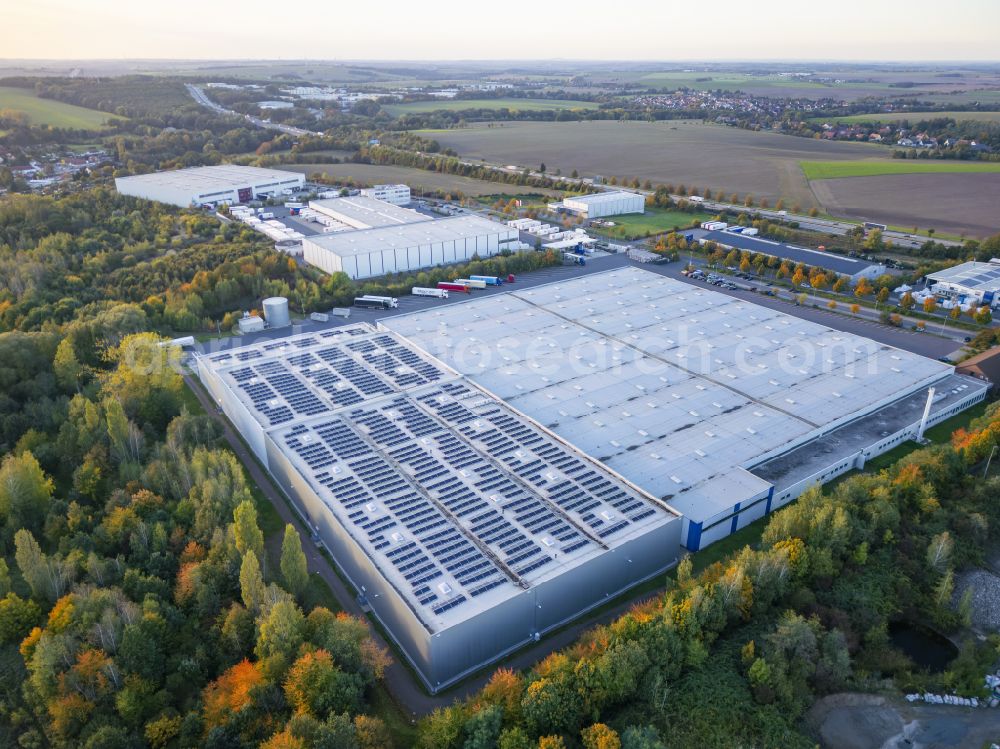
[(950, 196), (50, 112), (653, 221), (959, 204), (888, 117), (677, 152), (815, 170), (418, 179), (513, 104)]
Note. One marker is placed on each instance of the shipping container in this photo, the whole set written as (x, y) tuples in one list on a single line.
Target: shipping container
[(420, 291), (319, 317)]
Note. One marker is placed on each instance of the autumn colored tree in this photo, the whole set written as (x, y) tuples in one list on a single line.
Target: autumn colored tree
[(230, 693), (600, 736)]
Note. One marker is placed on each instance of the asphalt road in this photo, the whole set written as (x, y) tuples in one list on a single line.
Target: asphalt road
[(199, 96)]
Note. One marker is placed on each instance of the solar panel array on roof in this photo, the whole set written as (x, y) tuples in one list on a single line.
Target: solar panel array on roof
[(454, 496), (978, 276), (311, 374)]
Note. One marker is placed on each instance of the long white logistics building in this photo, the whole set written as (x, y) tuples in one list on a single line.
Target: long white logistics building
[(722, 408), (372, 238), (601, 204), (468, 528), (210, 185)]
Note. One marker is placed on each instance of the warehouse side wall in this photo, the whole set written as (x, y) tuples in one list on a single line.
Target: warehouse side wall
[(233, 408), (386, 603)]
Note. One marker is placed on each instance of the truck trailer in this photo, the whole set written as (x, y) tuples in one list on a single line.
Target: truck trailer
[(471, 283), (376, 302), (453, 286), (421, 291), (490, 280)]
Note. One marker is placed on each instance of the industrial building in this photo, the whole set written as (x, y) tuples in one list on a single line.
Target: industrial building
[(853, 268), (363, 212), (210, 185), (395, 194), (721, 408), (605, 204), (468, 528), (399, 247), (969, 283)]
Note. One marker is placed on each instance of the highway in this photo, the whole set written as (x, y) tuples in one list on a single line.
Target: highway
[(199, 96)]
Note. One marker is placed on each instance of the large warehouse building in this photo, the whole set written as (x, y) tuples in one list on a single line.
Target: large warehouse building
[(605, 204), (721, 408), (210, 185), (399, 247), (468, 528), (969, 283), (364, 212)]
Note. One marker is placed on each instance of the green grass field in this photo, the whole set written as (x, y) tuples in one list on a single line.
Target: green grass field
[(653, 221), (457, 105), (839, 169), (910, 117), (51, 112)]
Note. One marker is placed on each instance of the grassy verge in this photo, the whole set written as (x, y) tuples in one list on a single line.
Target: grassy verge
[(873, 168), (653, 221)]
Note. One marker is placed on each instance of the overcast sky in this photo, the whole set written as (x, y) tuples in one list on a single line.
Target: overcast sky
[(473, 29)]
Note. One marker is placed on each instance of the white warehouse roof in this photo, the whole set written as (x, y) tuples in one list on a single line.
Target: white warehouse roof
[(203, 178), (363, 212), (407, 235), (677, 388), (973, 276)]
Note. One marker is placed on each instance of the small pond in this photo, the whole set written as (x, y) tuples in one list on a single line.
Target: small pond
[(923, 646)]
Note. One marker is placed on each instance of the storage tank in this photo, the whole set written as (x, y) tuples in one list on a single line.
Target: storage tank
[(276, 312)]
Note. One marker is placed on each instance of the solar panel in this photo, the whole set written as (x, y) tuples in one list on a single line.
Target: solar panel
[(451, 494)]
